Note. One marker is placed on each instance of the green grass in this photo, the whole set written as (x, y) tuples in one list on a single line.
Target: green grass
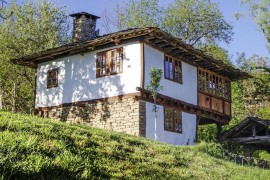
[(36, 148)]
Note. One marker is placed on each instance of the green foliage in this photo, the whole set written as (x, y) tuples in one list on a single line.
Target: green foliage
[(143, 13), (218, 53), (213, 149), (36, 148), (258, 87), (262, 155), (154, 87), (239, 111), (34, 26), (260, 84), (250, 97), (207, 133), (259, 10), (194, 21), (254, 92), (264, 113), (197, 21)]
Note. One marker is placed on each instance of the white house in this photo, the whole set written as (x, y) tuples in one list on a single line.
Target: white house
[(101, 81)]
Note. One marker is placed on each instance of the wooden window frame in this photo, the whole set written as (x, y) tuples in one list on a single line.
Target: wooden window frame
[(174, 121), (52, 78), (214, 85), (110, 57), (176, 64)]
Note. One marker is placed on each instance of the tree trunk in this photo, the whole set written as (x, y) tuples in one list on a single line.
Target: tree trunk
[(155, 126), (155, 109)]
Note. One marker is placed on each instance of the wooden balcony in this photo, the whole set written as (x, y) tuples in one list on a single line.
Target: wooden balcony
[(215, 104)]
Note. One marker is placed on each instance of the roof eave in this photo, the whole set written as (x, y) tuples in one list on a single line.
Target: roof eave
[(198, 58)]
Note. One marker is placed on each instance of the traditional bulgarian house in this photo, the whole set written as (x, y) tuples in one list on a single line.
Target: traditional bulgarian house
[(101, 81)]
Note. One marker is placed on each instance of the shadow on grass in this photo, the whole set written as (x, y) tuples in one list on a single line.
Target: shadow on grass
[(52, 172)]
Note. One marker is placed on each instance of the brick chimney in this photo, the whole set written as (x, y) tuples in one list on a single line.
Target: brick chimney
[(84, 27)]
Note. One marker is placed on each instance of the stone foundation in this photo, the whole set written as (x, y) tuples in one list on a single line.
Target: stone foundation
[(121, 115)]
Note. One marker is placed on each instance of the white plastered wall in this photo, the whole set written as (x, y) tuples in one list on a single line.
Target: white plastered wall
[(77, 78), (187, 92), (187, 137)]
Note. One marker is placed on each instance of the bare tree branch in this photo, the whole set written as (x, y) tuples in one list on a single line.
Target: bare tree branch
[(106, 21), (1, 8), (110, 20)]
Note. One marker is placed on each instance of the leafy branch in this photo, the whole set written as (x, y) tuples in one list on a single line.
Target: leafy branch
[(154, 87)]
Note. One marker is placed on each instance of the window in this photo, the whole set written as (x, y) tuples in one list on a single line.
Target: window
[(172, 120), (173, 69), (109, 62), (52, 78), (213, 84)]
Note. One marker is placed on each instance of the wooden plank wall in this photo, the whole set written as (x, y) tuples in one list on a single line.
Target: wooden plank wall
[(214, 104)]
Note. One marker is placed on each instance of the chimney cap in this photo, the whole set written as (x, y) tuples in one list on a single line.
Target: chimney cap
[(84, 13)]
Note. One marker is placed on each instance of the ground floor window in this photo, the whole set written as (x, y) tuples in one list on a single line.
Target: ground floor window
[(172, 120)]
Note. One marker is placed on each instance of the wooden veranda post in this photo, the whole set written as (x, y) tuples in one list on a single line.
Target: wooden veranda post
[(219, 130)]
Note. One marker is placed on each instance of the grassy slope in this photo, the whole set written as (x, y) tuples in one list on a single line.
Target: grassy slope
[(32, 147)]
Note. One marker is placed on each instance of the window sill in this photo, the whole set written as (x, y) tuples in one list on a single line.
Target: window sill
[(50, 87), (111, 74), (174, 81), (173, 131)]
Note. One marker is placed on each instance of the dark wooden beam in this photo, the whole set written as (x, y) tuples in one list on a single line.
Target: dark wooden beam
[(165, 45), (186, 107), (242, 129), (170, 49), (253, 130), (245, 140)]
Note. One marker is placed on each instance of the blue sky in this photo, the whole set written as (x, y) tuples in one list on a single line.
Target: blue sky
[(247, 38)]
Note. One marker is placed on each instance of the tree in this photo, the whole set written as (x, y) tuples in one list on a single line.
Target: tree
[(256, 91), (259, 10), (218, 53), (154, 87), (194, 21), (34, 26)]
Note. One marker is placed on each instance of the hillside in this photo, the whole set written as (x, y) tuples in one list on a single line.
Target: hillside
[(36, 148)]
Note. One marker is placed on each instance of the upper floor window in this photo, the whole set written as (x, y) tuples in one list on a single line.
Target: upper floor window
[(213, 84), (172, 120), (109, 62), (173, 69), (52, 78)]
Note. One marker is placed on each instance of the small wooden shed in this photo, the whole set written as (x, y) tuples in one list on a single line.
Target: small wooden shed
[(253, 133)]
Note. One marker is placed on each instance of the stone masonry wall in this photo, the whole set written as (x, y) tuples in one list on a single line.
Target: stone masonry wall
[(121, 115)]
